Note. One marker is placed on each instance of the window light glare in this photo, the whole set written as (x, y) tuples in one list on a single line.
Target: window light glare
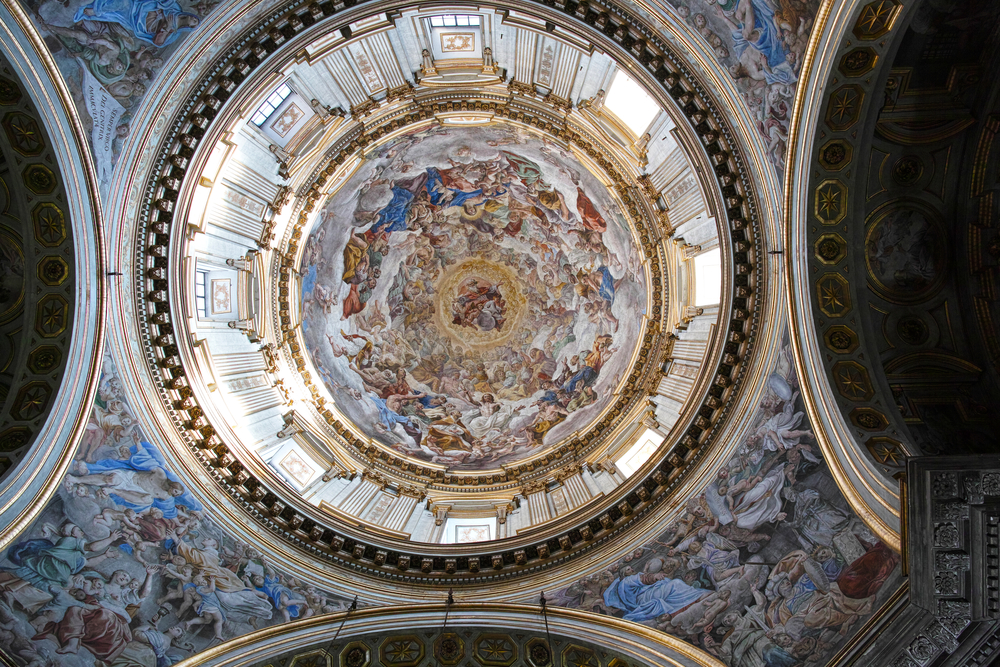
[(268, 106), (452, 20), (627, 100), (214, 164), (707, 277), (199, 203), (636, 455)]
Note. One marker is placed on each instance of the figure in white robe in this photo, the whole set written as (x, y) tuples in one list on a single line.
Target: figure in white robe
[(719, 557), (781, 431), (761, 503), (491, 420)]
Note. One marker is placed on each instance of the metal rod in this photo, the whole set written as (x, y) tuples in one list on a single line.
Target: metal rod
[(353, 607), (548, 637), (447, 609)]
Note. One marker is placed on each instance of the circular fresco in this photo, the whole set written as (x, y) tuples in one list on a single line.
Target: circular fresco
[(471, 296), (905, 253)]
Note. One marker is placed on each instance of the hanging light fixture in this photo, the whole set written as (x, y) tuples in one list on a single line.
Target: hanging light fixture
[(548, 637), (448, 648), (352, 608)]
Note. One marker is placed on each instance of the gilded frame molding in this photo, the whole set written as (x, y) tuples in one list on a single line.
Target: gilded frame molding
[(640, 642)]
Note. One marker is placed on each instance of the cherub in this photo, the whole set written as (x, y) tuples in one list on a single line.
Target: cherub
[(184, 588), (316, 603), (126, 517), (284, 599), (209, 607), (698, 616)]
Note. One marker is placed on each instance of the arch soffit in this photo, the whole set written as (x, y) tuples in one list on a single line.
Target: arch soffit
[(874, 29), (25, 491)]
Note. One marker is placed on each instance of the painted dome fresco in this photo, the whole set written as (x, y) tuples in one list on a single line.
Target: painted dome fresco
[(510, 334), (471, 295)]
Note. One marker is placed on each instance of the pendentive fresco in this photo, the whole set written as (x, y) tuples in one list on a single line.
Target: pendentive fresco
[(472, 296), (768, 565), (125, 567), (762, 43), (109, 52)]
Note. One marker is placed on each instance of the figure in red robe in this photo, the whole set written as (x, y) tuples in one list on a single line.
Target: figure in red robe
[(865, 576), (589, 216), (103, 632)]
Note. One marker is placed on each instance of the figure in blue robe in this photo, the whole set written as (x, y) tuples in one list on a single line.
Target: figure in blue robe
[(775, 656), (459, 197), (274, 589), (309, 280), (768, 42), (390, 419), (585, 376), (159, 644), (392, 217), (438, 191), (43, 563), (644, 597), (607, 289), (429, 401), (146, 457), (159, 22), (549, 396)]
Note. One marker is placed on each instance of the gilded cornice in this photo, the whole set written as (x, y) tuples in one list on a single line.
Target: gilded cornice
[(639, 642)]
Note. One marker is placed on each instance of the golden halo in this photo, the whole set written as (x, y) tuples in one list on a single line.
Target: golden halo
[(447, 292)]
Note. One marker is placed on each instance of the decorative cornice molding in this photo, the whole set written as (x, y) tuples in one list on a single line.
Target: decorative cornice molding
[(643, 644)]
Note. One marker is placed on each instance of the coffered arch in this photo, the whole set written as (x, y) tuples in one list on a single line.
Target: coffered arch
[(54, 287)]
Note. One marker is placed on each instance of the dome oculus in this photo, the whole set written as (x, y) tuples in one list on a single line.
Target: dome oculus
[(471, 296)]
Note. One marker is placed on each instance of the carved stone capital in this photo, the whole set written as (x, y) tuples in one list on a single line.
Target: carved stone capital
[(291, 425), (531, 488)]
